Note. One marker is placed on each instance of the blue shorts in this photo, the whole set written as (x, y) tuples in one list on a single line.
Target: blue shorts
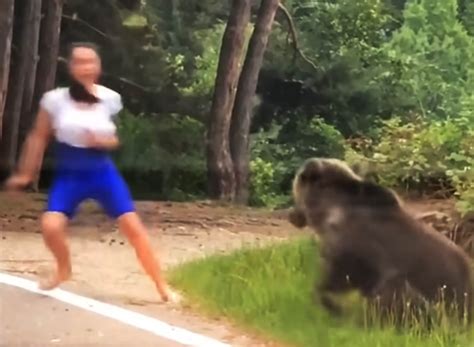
[(87, 174)]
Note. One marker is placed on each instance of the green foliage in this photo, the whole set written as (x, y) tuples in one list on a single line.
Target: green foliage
[(462, 174), (135, 21), (467, 15), (270, 290), (183, 161), (432, 58), (166, 154), (315, 138), (429, 77), (334, 29), (343, 38), (138, 145), (278, 152), (429, 155), (266, 170), (204, 75), (413, 151), (264, 185)]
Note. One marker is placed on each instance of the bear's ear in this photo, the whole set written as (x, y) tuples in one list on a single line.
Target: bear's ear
[(359, 170), (377, 195), (363, 169)]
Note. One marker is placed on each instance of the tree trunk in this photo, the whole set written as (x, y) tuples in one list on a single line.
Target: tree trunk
[(48, 56), (11, 121), (221, 182), (48, 48), (32, 26), (242, 112), (6, 31)]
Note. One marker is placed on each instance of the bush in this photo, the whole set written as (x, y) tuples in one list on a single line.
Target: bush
[(431, 156), (279, 151), (267, 170), (263, 184), (165, 153)]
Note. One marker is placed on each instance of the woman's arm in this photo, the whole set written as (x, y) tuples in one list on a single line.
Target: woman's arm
[(113, 102), (108, 143), (32, 152)]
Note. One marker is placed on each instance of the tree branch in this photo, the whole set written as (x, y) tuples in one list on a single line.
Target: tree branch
[(294, 36), (75, 18), (169, 101), (121, 79)]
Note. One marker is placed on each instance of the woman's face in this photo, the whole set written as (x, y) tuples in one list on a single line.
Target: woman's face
[(84, 65)]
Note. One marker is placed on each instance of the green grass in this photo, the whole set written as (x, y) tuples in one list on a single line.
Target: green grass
[(270, 291)]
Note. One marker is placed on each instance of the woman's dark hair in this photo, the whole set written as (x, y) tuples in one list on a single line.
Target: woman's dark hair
[(76, 90)]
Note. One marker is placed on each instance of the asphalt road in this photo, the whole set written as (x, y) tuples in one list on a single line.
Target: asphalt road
[(28, 319)]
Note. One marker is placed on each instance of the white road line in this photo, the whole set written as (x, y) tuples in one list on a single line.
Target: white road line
[(131, 318)]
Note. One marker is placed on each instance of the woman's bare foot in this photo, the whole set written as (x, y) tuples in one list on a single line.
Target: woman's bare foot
[(163, 291), (167, 294), (49, 281), (174, 296)]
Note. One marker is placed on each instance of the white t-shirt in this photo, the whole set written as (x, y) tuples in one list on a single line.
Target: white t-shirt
[(72, 120)]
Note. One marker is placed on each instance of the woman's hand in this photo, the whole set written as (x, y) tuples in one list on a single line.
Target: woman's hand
[(101, 142), (31, 157)]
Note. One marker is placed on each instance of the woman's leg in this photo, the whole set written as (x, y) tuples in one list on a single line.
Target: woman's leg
[(131, 225), (65, 195), (117, 201), (53, 227)]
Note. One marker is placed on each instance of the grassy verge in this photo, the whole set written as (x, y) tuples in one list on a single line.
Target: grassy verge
[(270, 291)]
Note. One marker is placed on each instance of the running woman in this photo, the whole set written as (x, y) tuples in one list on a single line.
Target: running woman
[(80, 118)]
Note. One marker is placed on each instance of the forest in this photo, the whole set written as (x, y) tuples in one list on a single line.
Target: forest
[(224, 99)]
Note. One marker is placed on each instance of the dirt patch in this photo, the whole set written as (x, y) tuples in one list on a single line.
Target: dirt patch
[(21, 213), (445, 206)]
